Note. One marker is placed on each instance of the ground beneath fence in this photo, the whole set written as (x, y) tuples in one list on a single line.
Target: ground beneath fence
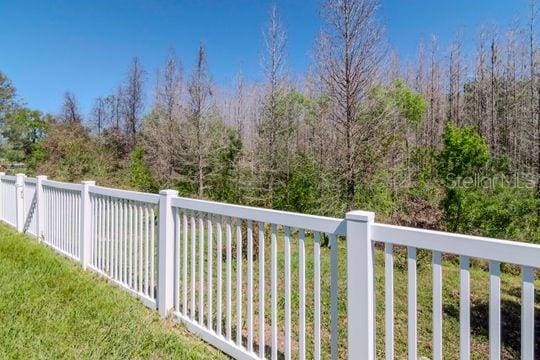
[(50, 307)]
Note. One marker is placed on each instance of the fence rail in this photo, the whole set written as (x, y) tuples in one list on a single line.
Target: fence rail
[(258, 283)]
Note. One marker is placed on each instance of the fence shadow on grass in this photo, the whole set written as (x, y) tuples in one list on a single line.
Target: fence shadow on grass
[(510, 322)]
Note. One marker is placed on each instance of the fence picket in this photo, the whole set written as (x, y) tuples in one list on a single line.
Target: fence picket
[(141, 249), (229, 279), (527, 313), (201, 269), (301, 296), (250, 286), (411, 304), (185, 264), (177, 256), (262, 322), (389, 300), (437, 306), (287, 270), (219, 238), (238, 282), (334, 297), (464, 309), (494, 310), (317, 295), (209, 271), (193, 265), (273, 290)]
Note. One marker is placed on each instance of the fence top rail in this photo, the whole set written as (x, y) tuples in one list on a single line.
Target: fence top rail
[(125, 194), (301, 221), (506, 251), (10, 178), (62, 185), (29, 180)]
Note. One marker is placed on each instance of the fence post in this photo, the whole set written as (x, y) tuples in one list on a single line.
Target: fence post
[(19, 200), (86, 221), (2, 174), (360, 289), (165, 253), (40, 207)]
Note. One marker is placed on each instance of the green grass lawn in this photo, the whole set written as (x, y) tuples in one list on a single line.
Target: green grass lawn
[(51, 308)]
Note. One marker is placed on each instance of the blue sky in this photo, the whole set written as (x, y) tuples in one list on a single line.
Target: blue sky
[(49, 47)]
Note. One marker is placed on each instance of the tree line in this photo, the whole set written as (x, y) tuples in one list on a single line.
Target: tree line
[(362, 128)]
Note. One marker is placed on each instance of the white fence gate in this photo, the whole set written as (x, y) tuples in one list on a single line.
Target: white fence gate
[(258, 283)]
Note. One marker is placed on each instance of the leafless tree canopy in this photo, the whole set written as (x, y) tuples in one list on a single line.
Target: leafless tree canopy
[(272, 129), (134, 99), (199, 90), (70, 110), (348, 56)]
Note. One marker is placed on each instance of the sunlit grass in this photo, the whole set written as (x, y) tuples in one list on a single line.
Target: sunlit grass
[(51, 308)]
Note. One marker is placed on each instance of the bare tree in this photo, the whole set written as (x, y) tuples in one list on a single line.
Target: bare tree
[(199, 90), (162, 135), (456, 74), (238, 107), (535, 88), (99, 115), (70, 110), (169, 89), (134, 100), (271, 124), (494, 60), (115, 104), (434, 94), (349, 54)]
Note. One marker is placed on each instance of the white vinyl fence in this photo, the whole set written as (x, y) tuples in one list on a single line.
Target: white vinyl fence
[(259, 283)]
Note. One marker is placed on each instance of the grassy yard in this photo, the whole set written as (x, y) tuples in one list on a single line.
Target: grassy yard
[(50, 308)]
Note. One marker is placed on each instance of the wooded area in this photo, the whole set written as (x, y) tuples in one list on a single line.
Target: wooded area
[(449, 140)]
